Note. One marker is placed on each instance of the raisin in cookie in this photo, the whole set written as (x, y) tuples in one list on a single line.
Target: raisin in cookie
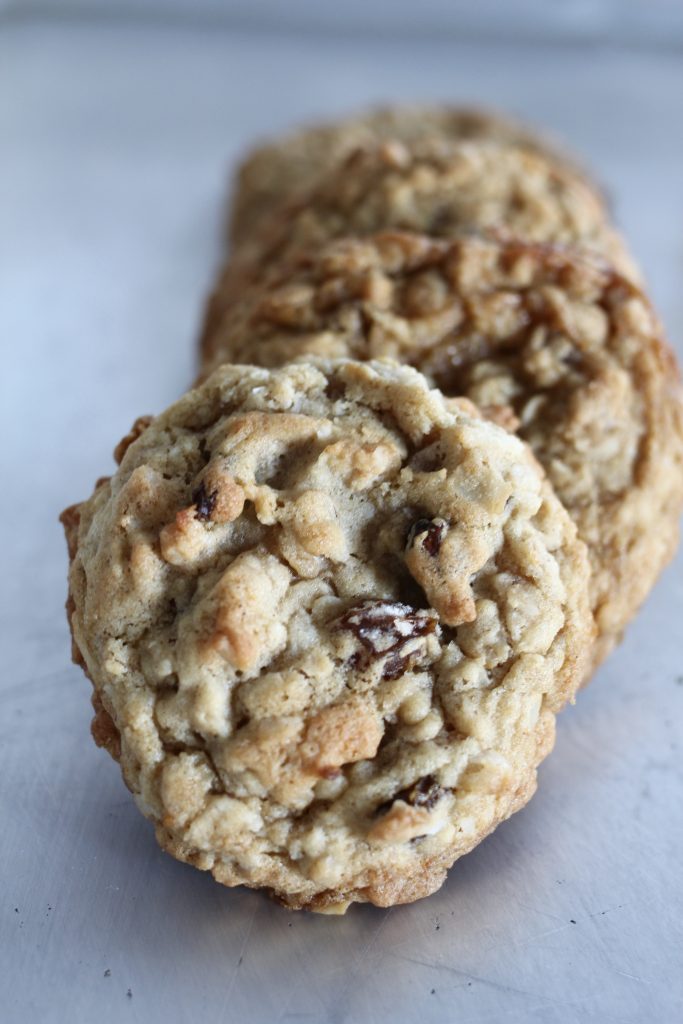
[(436, 188), (329, 619), (555, 345), (278, 171)]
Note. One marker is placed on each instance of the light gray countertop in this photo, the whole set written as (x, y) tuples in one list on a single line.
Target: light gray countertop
[(114, 145)]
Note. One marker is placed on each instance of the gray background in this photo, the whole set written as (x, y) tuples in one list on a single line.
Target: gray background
[(115, 137)]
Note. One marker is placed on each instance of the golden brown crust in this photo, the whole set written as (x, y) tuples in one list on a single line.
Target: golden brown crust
[(435, 187), (277, 171), (548, 340), (287, 703), (103, 729), (140, 425), (70, 519)]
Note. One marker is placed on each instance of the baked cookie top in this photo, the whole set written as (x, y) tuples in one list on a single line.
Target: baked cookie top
[(556, 345), (329, 618), (434, 187), (439, 188), (277, 171)]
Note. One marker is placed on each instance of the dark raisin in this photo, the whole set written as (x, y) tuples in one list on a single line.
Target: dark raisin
[(429, 534), (441, 221), (423, 793), (382, 625), (204, 503), (384, 629), (204, 450), (335, 389), (394, 666)]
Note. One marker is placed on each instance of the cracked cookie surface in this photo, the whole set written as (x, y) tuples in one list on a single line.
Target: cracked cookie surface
[(329, 618), (277, 171), (435, 187), (547, 341)]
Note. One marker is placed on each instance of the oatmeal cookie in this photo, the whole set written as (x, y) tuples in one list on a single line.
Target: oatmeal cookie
[(552, 343), (329, 618), (278, 171), (438, 188)]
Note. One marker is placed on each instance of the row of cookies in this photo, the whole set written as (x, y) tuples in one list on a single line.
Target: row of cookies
[(329, 612)]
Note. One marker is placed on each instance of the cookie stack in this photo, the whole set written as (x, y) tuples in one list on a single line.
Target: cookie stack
[(332, 599)]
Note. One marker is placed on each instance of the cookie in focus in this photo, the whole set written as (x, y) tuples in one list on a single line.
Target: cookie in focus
[(329, 619)]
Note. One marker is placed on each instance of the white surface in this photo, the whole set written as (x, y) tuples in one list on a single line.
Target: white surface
[(114, 146)]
